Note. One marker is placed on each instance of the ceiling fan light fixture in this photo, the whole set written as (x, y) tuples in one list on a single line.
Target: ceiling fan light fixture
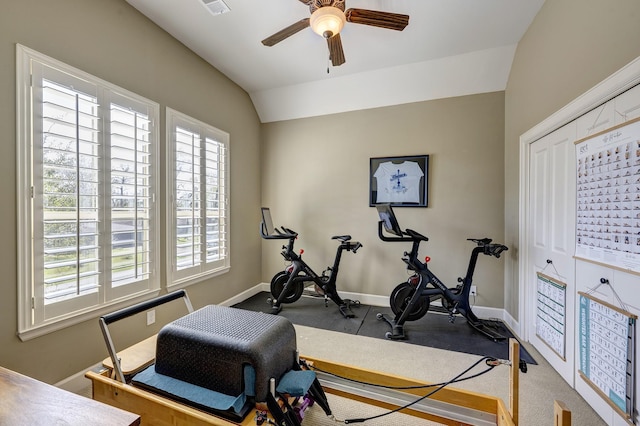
[(327, 21)]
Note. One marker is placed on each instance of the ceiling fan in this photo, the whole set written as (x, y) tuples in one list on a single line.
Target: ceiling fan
[(327, 19)]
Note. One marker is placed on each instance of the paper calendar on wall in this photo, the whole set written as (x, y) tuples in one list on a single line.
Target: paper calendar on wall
[(551, 313), (608, 197), (607, 352)]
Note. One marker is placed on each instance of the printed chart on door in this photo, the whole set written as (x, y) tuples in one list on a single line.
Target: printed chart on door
[(608, 197)]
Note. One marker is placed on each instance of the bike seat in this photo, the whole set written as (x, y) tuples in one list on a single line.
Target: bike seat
[(343, 238), (416, 235)]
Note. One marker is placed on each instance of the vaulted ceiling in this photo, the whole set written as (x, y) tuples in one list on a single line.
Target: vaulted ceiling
[(450, 48)]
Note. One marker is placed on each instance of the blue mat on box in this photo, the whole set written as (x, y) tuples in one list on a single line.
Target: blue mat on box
[(294, 383), (232, 407)]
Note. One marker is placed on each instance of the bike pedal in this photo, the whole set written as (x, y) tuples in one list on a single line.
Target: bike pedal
[(275, 310)]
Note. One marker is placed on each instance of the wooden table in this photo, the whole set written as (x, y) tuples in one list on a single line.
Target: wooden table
[(26, 401)]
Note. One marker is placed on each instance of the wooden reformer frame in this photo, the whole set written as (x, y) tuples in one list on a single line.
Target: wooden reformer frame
[(449, 406)]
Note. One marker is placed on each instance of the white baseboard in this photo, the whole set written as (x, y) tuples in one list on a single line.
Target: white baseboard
[(488, 313), (246, 294), (513, 324), (366, 299), (78, 383)]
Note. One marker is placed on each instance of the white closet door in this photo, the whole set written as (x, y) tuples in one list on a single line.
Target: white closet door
[(543, 219), (552, 233), (623, 108)]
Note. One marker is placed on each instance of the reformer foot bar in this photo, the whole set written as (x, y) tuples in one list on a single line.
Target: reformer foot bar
[(449, 406)]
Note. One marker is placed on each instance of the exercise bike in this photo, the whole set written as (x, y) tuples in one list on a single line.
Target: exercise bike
[(287, 286), (410, 300)]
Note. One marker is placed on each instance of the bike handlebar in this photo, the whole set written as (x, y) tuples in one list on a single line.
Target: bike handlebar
[(480, 241), (400, 238), (289, 231), (489, 249), (495, 249), (416, 236), (409, 235), (283, 234)]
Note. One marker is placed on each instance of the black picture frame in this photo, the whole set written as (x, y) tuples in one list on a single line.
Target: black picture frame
[(403, 190)]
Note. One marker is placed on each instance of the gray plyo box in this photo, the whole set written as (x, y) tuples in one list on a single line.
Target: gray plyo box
[(211, 346)]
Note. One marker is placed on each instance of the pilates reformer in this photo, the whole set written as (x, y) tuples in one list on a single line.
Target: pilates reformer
[(114, 386), (219, 360)]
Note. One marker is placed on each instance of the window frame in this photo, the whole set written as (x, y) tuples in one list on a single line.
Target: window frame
[(31, 320), (185, 277)]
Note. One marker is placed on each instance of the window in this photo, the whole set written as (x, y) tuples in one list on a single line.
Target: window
[(197, 214), (87, 177)]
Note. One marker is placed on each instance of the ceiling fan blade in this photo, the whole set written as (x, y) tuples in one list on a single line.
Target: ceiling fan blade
[(336, 54), (286, 32), (307, 2), (388, 20)]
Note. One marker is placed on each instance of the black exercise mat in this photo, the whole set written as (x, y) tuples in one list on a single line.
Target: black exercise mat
[(433, 330), (310, 311)]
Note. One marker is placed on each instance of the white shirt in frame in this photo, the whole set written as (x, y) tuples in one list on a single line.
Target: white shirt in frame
[(398, 183)]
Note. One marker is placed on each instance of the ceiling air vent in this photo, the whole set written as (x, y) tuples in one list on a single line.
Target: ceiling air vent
[(216, 7)]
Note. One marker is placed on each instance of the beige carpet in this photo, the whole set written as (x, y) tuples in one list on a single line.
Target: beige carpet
[(352, 409), (539, 387)]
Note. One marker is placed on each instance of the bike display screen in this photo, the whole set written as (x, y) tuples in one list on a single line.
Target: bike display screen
[(388, 219), (267, 223)]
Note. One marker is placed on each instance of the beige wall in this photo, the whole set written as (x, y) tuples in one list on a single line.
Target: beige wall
[(570, 47), (111, 40), (313, 173), (315, 179)]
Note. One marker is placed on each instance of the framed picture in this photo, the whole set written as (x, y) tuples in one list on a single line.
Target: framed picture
[(399, 181)]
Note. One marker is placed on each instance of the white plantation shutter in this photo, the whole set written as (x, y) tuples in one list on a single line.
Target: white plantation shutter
[(66, 190), (131, 196), (215, 195), (88, 221), (198, 223), (188, 230)]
